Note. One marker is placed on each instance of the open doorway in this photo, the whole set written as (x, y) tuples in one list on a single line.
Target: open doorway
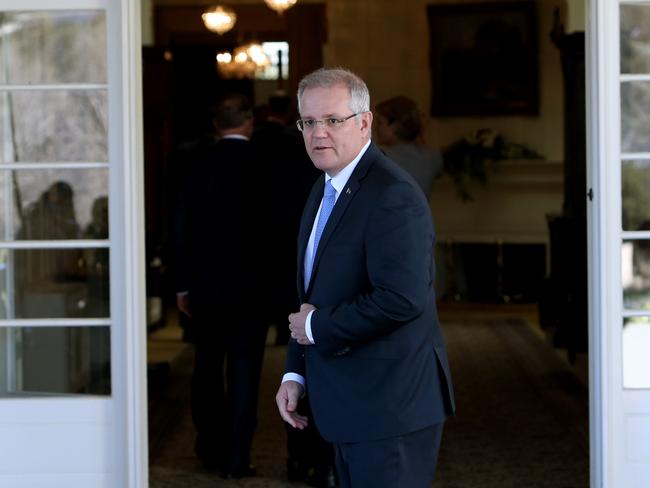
[(494, 279)]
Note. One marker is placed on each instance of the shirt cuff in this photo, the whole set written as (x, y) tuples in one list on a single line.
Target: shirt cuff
[(310, 336), (293, 377)]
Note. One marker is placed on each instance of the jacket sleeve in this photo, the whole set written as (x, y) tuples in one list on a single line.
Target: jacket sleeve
[(295, 362)]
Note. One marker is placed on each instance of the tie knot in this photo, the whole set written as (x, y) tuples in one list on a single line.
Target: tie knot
[(330, 191)]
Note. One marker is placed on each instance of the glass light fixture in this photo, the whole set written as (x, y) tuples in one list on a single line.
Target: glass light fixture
[(219, 19), (244, 62), (280, 5)]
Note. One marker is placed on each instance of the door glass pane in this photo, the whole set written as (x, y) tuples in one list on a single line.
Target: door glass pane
[(635, 116), (54, 283), (57, 125), (635, 273), (54, 204), (53, 47), (635, 38), (636, 352), (54, 360), (635, 187)]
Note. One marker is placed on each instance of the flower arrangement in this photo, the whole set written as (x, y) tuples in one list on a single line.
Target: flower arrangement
[(473, 156)]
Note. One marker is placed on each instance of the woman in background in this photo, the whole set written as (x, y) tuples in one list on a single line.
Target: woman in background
[(399, 133)]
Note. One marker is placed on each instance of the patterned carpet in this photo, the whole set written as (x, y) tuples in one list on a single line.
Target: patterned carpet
[(522, 418)]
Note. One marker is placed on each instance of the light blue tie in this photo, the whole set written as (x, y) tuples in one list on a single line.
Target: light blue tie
[(329, 199)]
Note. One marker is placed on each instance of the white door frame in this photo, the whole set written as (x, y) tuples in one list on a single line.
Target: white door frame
[(130, 375), (597, 146), (116, 426), (619, 417)]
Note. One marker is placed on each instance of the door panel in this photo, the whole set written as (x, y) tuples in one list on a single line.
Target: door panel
[(72, 342), (619, 239), (30, 456)]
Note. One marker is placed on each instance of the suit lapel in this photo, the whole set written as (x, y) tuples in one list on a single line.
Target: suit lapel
[(342, 203)]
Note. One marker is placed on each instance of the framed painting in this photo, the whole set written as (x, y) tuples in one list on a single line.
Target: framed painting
[(483, 59)]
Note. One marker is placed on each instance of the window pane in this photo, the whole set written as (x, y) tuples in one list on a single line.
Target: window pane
[(58, 125), (635, 38), (635, 182), (635, 259), (54, 283), (54, 204), (41, 360), (635, 116), (636, 352), (53, 47), (278, 54)]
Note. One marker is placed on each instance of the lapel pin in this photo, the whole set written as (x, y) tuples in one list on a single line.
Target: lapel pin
[(347, 192)]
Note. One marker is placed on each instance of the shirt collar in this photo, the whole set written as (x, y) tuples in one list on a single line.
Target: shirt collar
[(235, 136), (340, 180)]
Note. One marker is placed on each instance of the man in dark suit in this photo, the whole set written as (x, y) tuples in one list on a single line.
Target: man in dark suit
[(216, 251), (368, 349)]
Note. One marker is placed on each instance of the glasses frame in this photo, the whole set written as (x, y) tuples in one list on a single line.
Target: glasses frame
[(328, 123)]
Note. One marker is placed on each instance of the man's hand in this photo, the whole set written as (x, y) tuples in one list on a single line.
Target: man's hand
[(297, 324), (183, 303), (287, 399)]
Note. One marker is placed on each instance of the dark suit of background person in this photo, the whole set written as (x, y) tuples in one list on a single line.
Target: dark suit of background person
[(216, 242), (377, 376), (185, 156), (291, 174)]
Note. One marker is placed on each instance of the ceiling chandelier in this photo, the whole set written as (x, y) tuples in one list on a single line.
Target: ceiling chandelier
[(219, 19), (244, 62), (280, 5)]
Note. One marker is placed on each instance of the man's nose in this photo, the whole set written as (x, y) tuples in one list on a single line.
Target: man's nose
[(319, 129)]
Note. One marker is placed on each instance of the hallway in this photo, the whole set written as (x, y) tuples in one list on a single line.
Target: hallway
[(522, 417)]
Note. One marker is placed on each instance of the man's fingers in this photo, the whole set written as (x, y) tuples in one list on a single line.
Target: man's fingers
[(296, 421), (299, 421)]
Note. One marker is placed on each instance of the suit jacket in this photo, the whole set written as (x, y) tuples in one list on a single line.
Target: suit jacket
[(215, 225), (379, 366)]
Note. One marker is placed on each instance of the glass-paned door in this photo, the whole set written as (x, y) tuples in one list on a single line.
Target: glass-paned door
[(54, 205), (620, 241), (64, 389)]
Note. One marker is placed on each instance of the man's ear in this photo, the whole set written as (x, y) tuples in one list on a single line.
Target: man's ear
[(366, 121), (249, 126)]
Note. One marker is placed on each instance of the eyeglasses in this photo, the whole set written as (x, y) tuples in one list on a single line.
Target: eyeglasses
[(329, 123)]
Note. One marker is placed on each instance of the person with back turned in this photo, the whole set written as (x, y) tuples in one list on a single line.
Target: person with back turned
[(367, 347), (216, 251)]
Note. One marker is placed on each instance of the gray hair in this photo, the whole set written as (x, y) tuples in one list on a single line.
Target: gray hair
[(329, 77)]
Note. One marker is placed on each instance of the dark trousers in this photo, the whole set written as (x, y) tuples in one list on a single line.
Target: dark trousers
[(406, 461), (229, 351)]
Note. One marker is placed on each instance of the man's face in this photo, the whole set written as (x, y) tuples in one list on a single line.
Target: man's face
[(332, 149)]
